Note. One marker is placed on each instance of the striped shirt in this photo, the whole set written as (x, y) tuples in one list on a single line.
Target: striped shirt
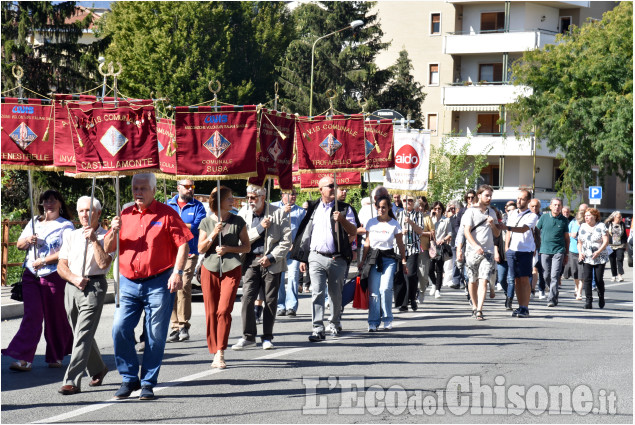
[(411, 240)]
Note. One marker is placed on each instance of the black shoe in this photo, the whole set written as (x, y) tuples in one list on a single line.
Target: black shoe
[(551, 304), (455, 286), (281, 312), (515, 312), (413, 304), (601, 302), (588, 306), (146, 393), (173, 337), (184, 334), (126, 389), (317, 336), (291, 312), (403, 308)]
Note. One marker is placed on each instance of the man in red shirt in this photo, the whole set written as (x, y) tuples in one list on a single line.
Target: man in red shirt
[(151, 237)]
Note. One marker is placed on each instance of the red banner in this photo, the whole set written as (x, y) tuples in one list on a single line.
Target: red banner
[(275, 136), (114, 140), (166, 138), (334, 144), (25, 134), (216, 142), (344, 179), (379, 144)]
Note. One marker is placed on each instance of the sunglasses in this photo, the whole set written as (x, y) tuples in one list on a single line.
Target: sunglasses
[(330, 186), (411, 200), (470, 197), (188, 186), (250, 197)]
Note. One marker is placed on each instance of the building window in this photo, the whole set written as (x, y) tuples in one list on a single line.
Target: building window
[(435, 23), (432, 123), (493, 22), (491, 175), (565, 24), (488, 124), (629, 183), (434, 75), (490, 72)]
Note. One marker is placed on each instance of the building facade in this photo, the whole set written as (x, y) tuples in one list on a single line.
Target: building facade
[(462, 53)]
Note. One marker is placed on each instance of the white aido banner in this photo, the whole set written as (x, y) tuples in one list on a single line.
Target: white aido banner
[(412, 162)]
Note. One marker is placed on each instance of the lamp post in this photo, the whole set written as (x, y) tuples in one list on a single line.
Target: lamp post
[(353, 25)]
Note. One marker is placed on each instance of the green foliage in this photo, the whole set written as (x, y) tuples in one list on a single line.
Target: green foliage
[(15, 255), (354, 197), (582, 101), (176, 48), (69, 66), (403, 93), (344, 62), (452, 170)]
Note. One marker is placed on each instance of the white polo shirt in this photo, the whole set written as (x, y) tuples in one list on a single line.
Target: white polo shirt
[(523, 242), (73, 251)]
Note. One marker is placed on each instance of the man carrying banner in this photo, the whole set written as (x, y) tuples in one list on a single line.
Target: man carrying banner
[(270, 238), (323, 243), (151, 237), (192, 212), (84, 295)]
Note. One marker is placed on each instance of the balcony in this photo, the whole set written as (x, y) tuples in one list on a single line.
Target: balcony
[(497, 145), (467, 94), (496, 42)]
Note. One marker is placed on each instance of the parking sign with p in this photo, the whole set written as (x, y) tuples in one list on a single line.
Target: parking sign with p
[(595, 194)]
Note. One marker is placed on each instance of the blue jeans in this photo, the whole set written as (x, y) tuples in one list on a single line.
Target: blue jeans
[(502, 279), (288, 293), (153, 297), (380, 286)]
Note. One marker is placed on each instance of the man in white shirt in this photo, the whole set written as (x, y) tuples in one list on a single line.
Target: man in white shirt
[(84, 294), (481, 226), (520, 247)]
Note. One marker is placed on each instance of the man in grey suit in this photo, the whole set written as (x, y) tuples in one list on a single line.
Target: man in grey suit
[(84, 295), (270, 237)]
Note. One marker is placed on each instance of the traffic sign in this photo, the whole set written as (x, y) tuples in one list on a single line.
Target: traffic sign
[(595, 194)]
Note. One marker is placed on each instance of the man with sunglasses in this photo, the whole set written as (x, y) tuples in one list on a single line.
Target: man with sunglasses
[(192, 212), (323, 243), (458, 274)]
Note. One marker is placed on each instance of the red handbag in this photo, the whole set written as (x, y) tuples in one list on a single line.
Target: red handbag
[(360, 300)]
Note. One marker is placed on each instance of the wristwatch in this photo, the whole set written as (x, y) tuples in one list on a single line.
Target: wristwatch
[(179, 272)]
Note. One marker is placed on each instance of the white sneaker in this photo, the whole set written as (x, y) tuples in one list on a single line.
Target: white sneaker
[(267, 345), (422, 296), (542, 295), (620, 278), (437, 294), (614, 279), (372, 328), (388, 326), (242, 344), (433, 289), (499, 287)]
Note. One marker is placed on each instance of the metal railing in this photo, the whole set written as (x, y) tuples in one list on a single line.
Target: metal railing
[(501, 31)]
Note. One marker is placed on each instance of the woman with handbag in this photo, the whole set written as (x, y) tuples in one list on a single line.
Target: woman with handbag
[(219, 289), (442, 237), (593, 239), (379, 256), (42, 287), (617, 235)]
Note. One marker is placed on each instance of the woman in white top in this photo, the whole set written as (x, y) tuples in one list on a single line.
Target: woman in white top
[(592, 241), (442, 235), (383, 231), (42, 287)]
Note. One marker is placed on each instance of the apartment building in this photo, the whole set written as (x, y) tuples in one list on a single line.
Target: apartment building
[(462, 53)]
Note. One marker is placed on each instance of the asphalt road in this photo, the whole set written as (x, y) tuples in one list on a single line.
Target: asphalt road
[(409, 374)]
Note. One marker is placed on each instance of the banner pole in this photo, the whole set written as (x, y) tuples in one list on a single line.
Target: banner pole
[(337, 225), (267, 209), (116, 271), (220, 219), (32, 212), (90, 222)]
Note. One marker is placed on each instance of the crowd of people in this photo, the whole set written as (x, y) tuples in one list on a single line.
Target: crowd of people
[(400, 248)]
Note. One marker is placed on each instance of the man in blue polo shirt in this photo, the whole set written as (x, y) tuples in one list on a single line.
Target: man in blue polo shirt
[(554, 247), (192, 212)]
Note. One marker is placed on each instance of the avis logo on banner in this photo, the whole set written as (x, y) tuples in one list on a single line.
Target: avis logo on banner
[(411, 162)]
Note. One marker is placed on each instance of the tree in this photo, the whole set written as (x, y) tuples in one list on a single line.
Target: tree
[(403, 93), (60, 61), (344, 62), (582, 101), (177, 48), (452, 170)]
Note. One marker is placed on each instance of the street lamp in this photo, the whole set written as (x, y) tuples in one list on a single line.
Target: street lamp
[(353, 25)]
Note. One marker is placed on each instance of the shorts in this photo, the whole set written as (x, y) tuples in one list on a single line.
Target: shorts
[(479, 266), (520, 263)]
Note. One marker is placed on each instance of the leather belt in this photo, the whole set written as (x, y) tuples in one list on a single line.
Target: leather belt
[(327, 254), (96, 276), (145, 279)]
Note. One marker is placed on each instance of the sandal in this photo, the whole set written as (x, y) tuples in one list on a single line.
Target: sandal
[(56, 365), (479, 315), (21, 366), (473, 313)]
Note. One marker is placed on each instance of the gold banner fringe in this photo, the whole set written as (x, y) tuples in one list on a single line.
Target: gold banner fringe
[(5, 166), (243, 176), (84, 174), (407, 192), (161, 175), (331, 171)]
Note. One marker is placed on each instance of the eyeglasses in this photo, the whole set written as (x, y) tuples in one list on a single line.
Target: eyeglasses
[(411, 200), (451, 208), (250, 197), (330, 186), (188, 186), (470, 197)]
